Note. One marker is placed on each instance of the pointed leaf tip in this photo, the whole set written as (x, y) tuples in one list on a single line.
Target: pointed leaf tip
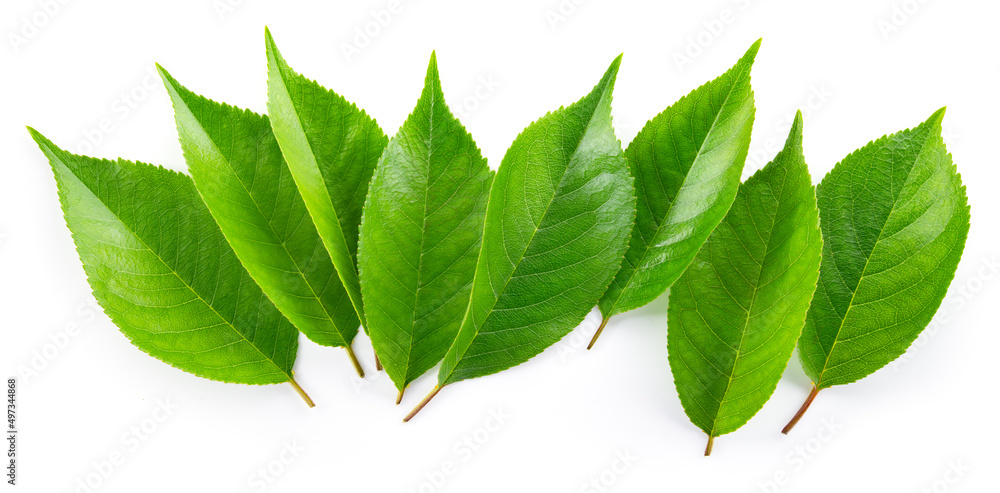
[(168, 80), (613, 69), (43, 142), (797, 125), (34, 134), (607, 82), (751, 53), (937, 117), (794, 139), (432, 65), (269, 40), (432, 81)]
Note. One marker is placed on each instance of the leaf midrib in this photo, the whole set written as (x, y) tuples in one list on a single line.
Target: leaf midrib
[(423, 232), (749, 310), (326, 192)]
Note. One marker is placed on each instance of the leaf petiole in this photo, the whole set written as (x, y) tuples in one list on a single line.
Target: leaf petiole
[(802, 410), (354, 361), (301, 392), (597, 334), (437, 388)]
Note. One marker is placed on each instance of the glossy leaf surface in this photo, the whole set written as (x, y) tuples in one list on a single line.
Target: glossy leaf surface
[(557, 225), (239, 171), (420, 236)]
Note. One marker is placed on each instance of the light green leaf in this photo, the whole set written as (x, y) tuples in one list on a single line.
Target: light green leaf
[(687, 163), (420, 236), (557, 226), (737, 310), (331, 148), (895, 218), (238, 169), (163, 272)]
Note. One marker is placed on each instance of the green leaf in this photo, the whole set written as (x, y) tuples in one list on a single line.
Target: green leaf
[(687, 163), (737, 311), (557, 227), (238, 170), (420, 236), (163, 272), (895, 218), (332, 149)]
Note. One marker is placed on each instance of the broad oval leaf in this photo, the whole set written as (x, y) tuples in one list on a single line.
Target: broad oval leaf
[(895, 218), (687, 163), (420, 236), (239, 171), (332, 148), (737, 311), (557, 225), (162, 270)]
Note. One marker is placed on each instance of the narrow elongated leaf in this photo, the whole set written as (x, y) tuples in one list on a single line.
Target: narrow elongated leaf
[(687, 163), (163, 272), (557, 227), (238, 169), (737, 311), (895, 218), (331, 148), (420, 236)]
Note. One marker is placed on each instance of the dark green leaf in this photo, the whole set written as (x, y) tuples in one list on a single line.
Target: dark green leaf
[(895, 218)]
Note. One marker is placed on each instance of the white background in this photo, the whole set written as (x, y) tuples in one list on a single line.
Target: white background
[(857, 72)]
